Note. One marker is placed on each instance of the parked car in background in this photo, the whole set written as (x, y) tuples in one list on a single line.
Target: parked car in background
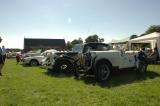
[(30, 53), (37, 60), (46, 62), (12, 54)]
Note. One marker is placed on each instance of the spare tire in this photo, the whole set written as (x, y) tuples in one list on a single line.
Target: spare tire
[(64, 66)]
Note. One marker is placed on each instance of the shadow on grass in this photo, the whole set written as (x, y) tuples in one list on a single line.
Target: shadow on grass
[(117, 78), (27, 65), (120, 78), (57, 74)]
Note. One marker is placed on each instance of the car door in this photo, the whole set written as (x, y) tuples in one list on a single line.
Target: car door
[(127, 60)]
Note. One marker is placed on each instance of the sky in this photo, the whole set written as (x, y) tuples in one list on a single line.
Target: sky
[(71, 19)]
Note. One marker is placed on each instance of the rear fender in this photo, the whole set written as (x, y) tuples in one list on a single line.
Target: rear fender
[(96, 62)]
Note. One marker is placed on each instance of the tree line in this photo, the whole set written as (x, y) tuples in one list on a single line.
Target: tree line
[(96, 38), (151, 29), (91, 38)]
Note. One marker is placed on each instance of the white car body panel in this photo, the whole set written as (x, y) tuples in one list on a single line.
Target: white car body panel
[(117, 58), (38, 58)]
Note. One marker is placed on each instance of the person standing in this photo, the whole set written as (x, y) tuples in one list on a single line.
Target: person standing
[(1, 59), (141, 59), (18, 58), (4, 53)]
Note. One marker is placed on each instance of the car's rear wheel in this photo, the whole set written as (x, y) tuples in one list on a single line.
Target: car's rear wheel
[(103, 70), (34, 63)]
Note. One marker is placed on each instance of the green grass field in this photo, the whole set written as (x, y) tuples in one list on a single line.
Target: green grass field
[(27, 86)]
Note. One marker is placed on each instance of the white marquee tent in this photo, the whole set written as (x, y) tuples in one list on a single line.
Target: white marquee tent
[(153, 39)]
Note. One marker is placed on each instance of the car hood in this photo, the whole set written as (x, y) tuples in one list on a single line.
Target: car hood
[(70, 53)]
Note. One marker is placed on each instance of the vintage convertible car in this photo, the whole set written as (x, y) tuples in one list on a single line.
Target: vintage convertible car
[(98, 59)]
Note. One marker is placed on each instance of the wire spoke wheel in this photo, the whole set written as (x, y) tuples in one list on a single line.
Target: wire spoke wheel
[(64, 66)]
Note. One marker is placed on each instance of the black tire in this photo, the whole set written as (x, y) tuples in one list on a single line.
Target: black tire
[(142, 68), (63, 66), (103, 71), (34, 63)]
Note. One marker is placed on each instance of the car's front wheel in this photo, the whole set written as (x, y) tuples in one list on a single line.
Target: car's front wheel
[(34, 63)]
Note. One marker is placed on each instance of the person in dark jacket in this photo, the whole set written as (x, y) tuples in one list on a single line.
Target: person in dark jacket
[(141, 55), (1, 59), (4, 53)]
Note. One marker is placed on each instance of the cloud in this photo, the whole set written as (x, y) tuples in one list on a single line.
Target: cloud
[(69, 20)]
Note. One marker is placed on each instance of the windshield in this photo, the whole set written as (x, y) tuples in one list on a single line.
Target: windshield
[(77, 48), (96, 47)]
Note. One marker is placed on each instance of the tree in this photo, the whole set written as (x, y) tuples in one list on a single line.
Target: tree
[(77, 41), (101, 39), (143, 34), (69, 45), (153, 28), (133, 36), (93, 38)]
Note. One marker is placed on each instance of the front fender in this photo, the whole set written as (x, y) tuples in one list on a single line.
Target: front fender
[(65, 58)]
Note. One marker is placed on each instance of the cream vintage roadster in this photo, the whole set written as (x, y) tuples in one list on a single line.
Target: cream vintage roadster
[(98, 59)]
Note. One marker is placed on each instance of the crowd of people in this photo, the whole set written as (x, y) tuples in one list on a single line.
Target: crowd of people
[(148, 55)]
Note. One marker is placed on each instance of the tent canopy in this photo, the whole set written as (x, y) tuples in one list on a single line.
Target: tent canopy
[(124, 40), (153, 39), (146, 38)]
